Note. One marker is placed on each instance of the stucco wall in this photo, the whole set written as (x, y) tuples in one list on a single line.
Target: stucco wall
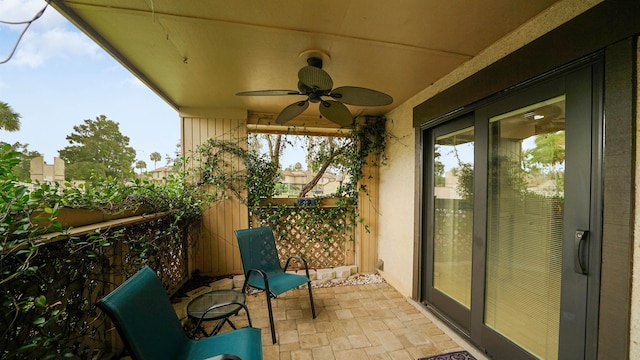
[(398, 193)]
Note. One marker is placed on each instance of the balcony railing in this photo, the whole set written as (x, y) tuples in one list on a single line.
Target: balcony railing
[(51, 308)]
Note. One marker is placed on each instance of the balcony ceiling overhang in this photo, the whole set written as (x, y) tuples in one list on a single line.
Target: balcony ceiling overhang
[(197, 55)]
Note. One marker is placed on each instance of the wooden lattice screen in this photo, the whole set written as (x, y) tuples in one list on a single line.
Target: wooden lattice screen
[(322, 236)]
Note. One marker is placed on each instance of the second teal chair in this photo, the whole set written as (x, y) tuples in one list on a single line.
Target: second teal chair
[(149, 326), (263, 271)]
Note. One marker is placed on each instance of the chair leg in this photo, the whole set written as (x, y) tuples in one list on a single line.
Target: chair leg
[(313, 308), (271, 323)]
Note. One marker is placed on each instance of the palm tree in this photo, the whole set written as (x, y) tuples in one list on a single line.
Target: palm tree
[(155, 157), (141, 165), (9, 119)]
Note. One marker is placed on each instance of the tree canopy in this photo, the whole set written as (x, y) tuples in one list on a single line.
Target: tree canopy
[(9, 119), (98, 147), (22, 170), (155, 157), (140, 164)]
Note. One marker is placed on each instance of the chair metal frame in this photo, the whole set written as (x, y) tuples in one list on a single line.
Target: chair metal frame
[(264, 276)]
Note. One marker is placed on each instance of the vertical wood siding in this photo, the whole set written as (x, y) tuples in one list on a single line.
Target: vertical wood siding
[(216, 250), (366, 242)]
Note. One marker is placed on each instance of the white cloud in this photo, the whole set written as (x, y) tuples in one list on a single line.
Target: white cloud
[(134, 82), (48, 39), (20, 10)]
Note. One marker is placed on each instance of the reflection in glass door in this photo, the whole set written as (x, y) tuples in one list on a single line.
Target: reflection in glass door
[(525, 196), (453, 215)]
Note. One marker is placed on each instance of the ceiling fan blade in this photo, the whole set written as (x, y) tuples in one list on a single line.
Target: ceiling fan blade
[(336, 112), (354, 95), (292, 111), (268, 93), (315, 78)]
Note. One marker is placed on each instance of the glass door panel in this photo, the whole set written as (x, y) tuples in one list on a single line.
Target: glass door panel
[(525, 195), (453, 215)]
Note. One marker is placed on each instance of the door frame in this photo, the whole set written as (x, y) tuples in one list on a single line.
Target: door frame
[(475, 332), (458, 315)]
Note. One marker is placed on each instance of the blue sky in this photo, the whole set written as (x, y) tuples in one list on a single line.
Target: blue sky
[(58, 77)]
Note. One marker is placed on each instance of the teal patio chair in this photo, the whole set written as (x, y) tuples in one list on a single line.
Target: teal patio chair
[(149, 326), (262, 269)]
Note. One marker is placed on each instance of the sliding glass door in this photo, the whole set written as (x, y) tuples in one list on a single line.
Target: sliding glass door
[(508, 225)]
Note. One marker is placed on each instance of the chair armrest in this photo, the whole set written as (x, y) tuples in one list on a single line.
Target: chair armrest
[(262, 274), (299, 258)]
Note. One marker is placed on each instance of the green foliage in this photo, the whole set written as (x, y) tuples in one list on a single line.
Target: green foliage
[(549, 150), (47, 292), (254, 179), (22, 170), (465, 180), (141, 165), (237, 172), (9, 119), (155, 157), (98, 148)]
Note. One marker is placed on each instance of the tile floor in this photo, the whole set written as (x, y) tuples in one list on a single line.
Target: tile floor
[(352, 323)]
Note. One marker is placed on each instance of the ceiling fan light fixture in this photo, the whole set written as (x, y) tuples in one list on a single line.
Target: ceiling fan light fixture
[(315, 83)]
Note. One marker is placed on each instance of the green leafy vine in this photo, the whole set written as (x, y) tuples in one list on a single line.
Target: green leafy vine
[(253, 179)]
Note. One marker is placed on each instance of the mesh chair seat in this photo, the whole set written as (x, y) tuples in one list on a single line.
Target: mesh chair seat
[(150, 328), (263, 271)]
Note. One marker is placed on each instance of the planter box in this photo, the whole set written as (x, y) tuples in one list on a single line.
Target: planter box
[(74, 217)]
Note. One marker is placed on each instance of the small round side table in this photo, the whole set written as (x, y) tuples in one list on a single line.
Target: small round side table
[(215, 305)]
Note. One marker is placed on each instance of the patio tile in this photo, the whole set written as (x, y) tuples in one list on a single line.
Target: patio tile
[(344, 314), (400, 355), (417, 338), (381, 356), (340, 343), (394, 324), (313, 340), (306, 327), (377, 325), (353, 354), (323, 353), (353, 322), (359, 341), (375, 350), (301, 355), (323, 326), (389, 340), (288, 337)]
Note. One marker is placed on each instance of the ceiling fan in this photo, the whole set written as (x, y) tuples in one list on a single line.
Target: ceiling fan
[(315, 83)]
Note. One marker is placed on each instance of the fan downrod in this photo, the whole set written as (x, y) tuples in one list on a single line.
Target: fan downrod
[(315, 62)]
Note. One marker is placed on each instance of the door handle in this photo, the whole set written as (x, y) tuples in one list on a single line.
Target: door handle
[(581, 252)]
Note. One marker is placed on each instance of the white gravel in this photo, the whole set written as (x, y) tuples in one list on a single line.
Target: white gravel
[(357, 279)]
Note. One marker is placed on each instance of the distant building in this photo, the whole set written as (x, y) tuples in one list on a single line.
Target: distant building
[(42, 171), (294, 180), (161, 174)]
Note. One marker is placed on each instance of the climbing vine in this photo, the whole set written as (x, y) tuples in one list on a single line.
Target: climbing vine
[(253, 178), (50, 279)]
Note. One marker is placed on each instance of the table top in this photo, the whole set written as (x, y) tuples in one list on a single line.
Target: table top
[(201, 303)]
